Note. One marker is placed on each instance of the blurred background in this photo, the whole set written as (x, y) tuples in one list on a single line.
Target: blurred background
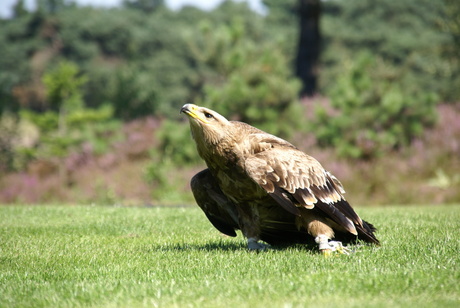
[(90, 95)]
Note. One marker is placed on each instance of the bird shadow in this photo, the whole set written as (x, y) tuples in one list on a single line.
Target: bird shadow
[(211, 246), (227, 246), (237, 247)]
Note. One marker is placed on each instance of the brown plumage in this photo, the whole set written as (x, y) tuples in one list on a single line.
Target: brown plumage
[(267, 188)]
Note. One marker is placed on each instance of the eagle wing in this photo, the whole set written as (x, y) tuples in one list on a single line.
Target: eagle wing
[(295, 179), (220, 211)]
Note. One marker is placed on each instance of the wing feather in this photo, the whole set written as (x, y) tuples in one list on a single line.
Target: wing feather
[(295, 179), (220, 211)]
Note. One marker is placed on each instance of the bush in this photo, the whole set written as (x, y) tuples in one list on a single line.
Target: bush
[(68, 124), (176, 144), (95, 127), (169, 181), (175, 152), (396, 32), (8, 133), (63, 87), (374, 110)]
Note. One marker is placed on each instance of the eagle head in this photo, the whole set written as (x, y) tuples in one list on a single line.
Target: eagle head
[(207, 126)]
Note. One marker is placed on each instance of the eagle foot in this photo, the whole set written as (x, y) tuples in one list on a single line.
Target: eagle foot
[(254, 245), (335, 247), (328, 248)]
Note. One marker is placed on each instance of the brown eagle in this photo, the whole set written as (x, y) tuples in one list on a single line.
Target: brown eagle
[(267, 188)]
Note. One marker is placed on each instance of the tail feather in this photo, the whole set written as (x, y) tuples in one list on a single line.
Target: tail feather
[(366, 233)]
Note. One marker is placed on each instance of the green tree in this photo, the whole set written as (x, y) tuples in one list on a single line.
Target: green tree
[(449, 24), (255, 83), (19, 38), (283, 25), (64, 86), (308, 50), (51, 6), (402, 33), (64, 90), (146, 6), (19, 9), (373, 111)]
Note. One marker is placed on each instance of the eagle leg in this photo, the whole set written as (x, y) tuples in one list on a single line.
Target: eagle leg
[(254, 244), (249, 221), (321, 231)]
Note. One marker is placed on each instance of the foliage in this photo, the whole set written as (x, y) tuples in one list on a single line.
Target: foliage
[(176, 143), (408, 175), (375, 110), (63, 87), (167, 185), (394, 31), (145, 46), (56, 256), (131, 93), (146, 6), (8, 133), (90, 126), (255, 84), (282, 23), (175, 151), (68, 125), (143, 59), (449, 23), (18, 39)]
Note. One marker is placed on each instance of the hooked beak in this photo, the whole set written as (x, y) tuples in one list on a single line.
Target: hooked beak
[(191, 111)]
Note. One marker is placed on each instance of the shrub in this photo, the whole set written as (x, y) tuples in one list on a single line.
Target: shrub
[(175, 152), (68, 124), (168, 180), (374, 110), (63, 87), (176, 144), (8, 133), (93, 126)]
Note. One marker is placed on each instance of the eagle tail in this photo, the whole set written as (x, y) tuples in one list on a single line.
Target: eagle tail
[(343, 214), (366, 233)]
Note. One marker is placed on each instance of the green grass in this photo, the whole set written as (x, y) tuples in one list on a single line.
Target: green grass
[(172, 257)]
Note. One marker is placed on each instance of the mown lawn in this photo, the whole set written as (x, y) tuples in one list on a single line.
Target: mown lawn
[(64, 256)]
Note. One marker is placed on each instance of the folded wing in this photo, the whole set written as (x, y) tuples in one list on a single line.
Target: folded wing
[(295, 179)]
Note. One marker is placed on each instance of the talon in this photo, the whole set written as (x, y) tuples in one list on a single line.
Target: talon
[(327, 248), (337, 246), (343, 250)]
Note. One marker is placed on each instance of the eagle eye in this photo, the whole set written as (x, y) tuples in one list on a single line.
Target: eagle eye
[(208, 115)]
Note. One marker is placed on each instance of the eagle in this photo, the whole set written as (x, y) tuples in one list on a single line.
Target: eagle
[(267, 188)]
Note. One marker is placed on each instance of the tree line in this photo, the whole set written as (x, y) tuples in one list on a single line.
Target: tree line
[(384, 65)]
